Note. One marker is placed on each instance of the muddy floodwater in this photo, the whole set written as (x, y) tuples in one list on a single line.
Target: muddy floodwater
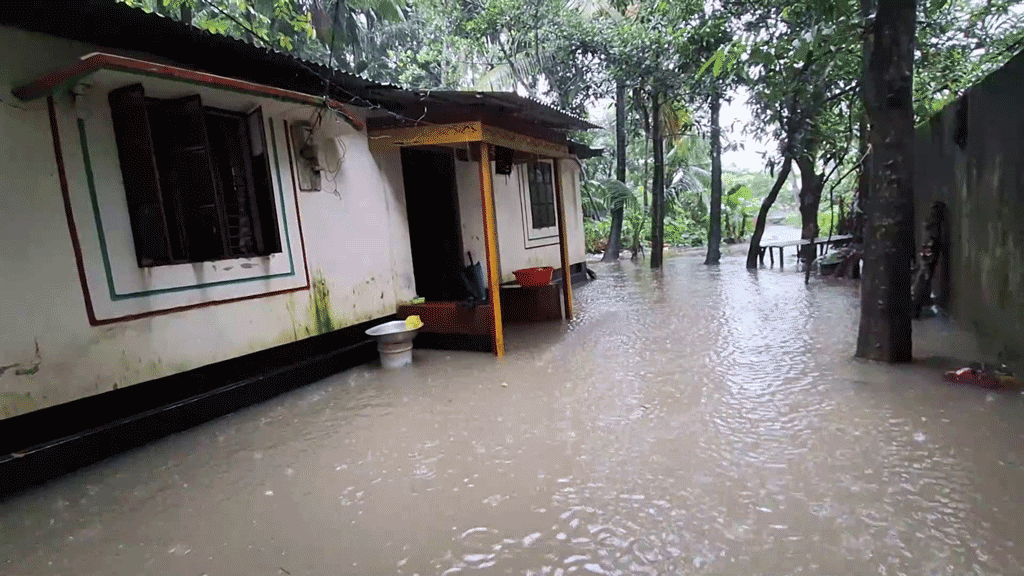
[(698, 421)]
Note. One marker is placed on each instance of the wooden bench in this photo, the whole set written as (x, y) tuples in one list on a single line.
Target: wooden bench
[(820, 243)]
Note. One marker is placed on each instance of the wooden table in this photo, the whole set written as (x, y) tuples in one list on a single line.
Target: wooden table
[(820, 243)]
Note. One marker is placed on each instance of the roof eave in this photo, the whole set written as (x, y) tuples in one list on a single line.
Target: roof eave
[(91, 63)]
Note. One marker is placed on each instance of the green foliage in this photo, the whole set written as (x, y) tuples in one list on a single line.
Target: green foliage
[(301, 27), (684, 232), (595, 235), (737, 205), (800, 62), (602, 196)]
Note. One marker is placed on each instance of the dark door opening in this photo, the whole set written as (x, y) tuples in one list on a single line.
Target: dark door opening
[(435, 230)]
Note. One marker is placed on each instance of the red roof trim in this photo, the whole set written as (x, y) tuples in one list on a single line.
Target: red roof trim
[(46, 85)]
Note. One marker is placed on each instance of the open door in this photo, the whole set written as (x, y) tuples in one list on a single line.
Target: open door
[(435, 229)]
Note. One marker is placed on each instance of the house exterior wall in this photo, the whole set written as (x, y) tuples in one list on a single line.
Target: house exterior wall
[(982, 184), (518, 246), (353, 242)]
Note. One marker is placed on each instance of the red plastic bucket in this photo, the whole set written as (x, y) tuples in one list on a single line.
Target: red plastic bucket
[(534, 277)]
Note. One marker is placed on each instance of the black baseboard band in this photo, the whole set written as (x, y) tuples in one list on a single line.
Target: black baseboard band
[(53, 441)]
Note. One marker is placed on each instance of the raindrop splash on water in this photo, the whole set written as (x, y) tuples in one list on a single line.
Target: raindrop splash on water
[(691, 421)]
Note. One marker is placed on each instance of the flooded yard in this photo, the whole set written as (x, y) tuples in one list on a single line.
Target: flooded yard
[(697, 421)]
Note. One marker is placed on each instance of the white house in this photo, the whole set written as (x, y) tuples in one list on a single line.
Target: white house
[(175, 201)]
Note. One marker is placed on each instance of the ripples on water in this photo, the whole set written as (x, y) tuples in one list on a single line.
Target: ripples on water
[(696, 421)]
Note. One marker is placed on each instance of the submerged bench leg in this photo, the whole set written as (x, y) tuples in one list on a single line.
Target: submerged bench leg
[(781, 265), (771, 256), (760, 254)]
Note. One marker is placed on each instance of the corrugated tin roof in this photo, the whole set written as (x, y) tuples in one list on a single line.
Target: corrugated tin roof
[(582, 151), (510, 104), (118, 28)]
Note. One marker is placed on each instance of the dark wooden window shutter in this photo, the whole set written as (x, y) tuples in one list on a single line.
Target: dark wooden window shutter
[(190, 174), (542, 194), (268, 238), (198, 179), (141, 179)]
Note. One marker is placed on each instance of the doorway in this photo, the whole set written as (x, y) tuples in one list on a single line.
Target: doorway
[(435, 228)]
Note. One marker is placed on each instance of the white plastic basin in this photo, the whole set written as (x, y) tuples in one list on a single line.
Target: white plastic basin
[(394, 342)]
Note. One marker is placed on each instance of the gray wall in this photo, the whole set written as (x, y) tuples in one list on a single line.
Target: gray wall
[(982, 185)]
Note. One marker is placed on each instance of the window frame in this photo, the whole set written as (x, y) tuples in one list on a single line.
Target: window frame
[(205, 215), (536, 237)]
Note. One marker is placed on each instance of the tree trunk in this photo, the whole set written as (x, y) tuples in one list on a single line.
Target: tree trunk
[(864, 170), (811, 185), (885, 315), (186, 12), (715, 222), (657, 185), (762, 217), (863, 184), (611, 254), (638, 99)]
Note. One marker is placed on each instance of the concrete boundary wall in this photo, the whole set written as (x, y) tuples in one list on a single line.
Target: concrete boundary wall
[(971, 156)]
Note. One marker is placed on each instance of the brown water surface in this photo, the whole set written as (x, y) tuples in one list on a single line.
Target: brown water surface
[(698, 421)]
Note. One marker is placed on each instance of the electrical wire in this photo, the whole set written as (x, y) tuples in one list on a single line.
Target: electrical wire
[(331, 175)]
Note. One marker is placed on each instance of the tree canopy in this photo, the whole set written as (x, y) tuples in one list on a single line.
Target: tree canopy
[(801, 63)]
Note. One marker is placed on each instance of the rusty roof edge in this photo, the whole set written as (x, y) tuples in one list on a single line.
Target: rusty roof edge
[(543, 104), (583, 151), (491, 98), (540, 102)]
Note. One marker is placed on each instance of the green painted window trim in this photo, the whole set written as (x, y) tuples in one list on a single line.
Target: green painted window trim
[(114, 294)]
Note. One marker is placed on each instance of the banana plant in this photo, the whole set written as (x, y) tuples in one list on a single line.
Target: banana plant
[(603, 196), (735, 204)]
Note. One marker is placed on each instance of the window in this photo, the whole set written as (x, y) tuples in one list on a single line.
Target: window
[(542, 195), (197, 179)]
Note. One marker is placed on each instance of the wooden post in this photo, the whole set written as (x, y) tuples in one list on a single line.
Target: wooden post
[(563, 242), (491, 248)]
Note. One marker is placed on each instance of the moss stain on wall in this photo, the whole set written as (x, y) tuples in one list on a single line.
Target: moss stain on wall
[(366, 300), (320, 315), (14, 404)]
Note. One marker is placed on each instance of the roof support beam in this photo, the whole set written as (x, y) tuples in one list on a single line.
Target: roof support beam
[(563, 242), (431, 135), (522, 142), (461, 133), (491, 246)]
